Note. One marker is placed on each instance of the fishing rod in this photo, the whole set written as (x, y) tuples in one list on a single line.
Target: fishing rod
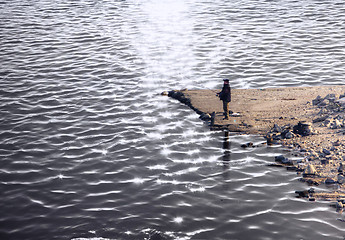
[(215, 91)]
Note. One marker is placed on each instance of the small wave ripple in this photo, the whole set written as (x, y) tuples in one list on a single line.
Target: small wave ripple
[(90, 150)]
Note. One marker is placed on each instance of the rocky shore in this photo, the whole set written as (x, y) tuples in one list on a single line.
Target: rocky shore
[(309, 121)]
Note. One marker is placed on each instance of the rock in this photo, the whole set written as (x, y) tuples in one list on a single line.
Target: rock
[(337, 143), (179, 96), (292, 168), (309, 170), (312, 182), (330, 181), (330, 97), (250, 144), (276, 128), (288, 135), (325, 161), (324, 102), (283, 160), (341, 168), (327, 124), (341, 178), (279, 158), (320, 119), (303, 128), (325, 151), (317, 100), (303, 194)]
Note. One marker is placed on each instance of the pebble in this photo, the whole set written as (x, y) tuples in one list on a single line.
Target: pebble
[(303, 128), (288, 135), (302, 193), (340, 178), (250, 144), (327, 152), (283, 160), (330, 181)]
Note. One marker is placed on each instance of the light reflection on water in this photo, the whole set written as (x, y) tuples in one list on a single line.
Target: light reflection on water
[(91, 150)]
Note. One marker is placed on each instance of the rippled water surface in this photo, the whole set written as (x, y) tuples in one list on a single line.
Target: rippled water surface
[(91, 150)]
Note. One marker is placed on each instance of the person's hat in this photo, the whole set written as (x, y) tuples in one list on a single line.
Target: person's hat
[(226, 80)]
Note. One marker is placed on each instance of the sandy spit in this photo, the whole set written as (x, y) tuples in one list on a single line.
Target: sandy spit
[(262, 111)]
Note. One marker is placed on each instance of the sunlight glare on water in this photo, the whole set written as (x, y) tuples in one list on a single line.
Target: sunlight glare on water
[(90, 149), (166, 31)]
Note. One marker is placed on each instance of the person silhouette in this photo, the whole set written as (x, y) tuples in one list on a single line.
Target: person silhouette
[(225, 96)]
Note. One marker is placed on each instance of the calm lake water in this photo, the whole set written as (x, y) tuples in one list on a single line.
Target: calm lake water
[(91, 150)]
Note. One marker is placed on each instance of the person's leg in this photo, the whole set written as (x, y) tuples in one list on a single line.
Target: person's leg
[(226, 109)]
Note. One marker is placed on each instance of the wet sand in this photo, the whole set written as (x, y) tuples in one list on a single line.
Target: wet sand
[(262, 111)]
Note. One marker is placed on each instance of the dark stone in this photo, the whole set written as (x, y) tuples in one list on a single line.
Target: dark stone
[(250, 144), (327, 152), (276, 128), (330, 181), (303, 129), (317, 100), (288, 135), (312, 182), (324, 161), (275, 165), (330, 96), (320, 119), (291, 168), (279, 158), (283, 160), (303, 194)]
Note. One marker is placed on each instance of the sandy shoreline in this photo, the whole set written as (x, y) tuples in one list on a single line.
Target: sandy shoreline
[(275, 113)]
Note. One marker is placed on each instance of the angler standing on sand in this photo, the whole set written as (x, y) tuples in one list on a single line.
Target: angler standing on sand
[(225, 96)]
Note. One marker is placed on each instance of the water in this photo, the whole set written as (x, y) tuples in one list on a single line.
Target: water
[(90, 150)]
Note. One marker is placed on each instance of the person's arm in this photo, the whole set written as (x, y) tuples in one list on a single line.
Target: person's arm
[(230, 94)]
